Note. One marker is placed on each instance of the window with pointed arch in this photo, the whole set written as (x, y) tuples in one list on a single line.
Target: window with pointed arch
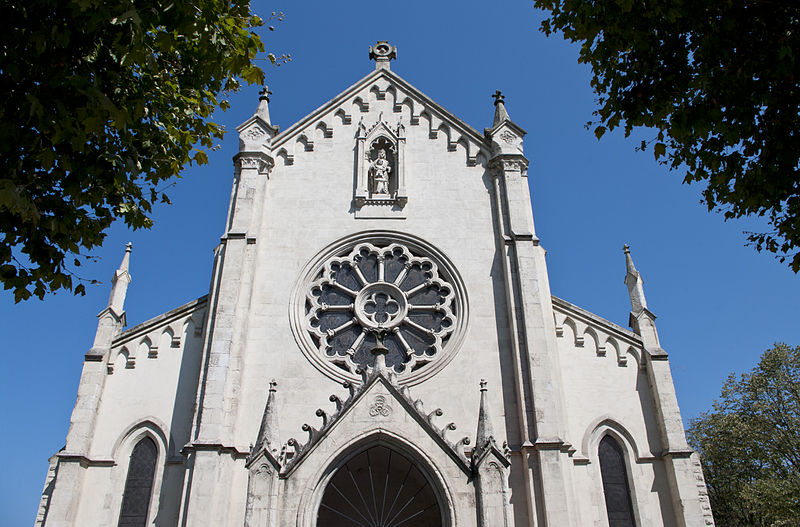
[(616, 489), (139, 484)]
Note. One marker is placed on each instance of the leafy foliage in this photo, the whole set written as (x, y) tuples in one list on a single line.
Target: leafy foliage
[(750, 444), (718, 81), (104, 102)]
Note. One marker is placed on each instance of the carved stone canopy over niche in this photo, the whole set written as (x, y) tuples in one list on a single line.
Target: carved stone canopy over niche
[(380, 171), (380, 290)]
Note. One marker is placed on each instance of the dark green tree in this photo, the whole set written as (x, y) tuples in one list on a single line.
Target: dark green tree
[(750, 444), (104, 102), (719, 82)]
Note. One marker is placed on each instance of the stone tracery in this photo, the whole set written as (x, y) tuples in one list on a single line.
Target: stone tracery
[(375, 290)]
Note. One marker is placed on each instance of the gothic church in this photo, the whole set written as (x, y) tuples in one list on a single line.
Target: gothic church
[(383, 352)]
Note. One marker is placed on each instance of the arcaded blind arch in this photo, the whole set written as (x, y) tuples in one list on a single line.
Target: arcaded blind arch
[(615, 483), (139, 484), (379, 487)]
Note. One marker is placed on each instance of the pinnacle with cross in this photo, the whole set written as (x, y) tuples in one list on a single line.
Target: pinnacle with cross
[(264, 94), (500, 113), (498, 97)]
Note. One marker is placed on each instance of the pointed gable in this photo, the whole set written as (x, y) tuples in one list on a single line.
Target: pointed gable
[(378, 407), (397, 100)]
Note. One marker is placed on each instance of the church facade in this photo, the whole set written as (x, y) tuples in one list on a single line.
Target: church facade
[(384, 351)]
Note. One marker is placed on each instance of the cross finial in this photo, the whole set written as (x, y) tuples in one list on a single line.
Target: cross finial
[(382, 53), (273, 385), (498, 97), (264, 94), (626, 249), (128, 247), (483, 385)]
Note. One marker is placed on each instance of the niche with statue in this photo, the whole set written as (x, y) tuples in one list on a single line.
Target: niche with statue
[(380, 172)]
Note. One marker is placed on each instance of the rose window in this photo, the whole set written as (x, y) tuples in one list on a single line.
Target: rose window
[(381, 290)]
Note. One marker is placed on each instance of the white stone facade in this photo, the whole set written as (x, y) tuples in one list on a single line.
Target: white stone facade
[(447, 214)]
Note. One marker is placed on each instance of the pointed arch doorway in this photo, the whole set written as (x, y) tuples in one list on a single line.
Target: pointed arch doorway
[(380, 487)]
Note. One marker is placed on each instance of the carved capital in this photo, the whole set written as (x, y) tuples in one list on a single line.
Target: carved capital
[(509, 163), (254, 160)]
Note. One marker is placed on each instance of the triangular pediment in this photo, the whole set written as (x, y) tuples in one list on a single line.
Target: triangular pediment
[(399, 102), (377, 405)]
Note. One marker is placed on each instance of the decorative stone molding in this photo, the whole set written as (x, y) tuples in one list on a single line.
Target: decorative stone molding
[(384, 91), (253, 160), (606, 336), (510, 163), (294, 451), (387, 283)]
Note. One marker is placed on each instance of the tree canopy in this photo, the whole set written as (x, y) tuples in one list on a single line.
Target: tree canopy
[(719, 82), (104, 102), (750, 444)]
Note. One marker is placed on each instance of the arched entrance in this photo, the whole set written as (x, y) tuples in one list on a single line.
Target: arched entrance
[(379, 487)]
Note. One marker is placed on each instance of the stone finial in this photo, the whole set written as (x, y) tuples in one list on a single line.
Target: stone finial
[(485, 433), (120, 281), (382, 53), (263, 104), (268, 433), (500, 113), (634, 282), (380, 350)]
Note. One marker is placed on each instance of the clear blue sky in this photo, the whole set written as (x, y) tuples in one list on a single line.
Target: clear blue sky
[(719, 303)]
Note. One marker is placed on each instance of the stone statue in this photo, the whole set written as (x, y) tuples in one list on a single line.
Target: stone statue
[(379, 174)]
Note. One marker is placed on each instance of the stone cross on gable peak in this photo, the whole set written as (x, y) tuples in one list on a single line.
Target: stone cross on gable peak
[(382, 53)]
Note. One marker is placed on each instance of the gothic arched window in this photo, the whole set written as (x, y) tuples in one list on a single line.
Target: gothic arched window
[(615, 483), (139, 484), (379, 488)]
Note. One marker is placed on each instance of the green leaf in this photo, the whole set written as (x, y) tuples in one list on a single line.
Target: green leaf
[(599, 131), (715, 81)]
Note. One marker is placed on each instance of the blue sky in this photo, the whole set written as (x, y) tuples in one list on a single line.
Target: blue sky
[(719, 303)]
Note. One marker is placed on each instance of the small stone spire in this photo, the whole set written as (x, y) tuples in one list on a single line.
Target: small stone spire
[(382, 53), (267, 434), (485, 433), (263, 104), (120, 281), (500, 113), (634, 282)]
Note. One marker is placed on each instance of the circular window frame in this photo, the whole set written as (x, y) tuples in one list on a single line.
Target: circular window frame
[(310, 273)]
